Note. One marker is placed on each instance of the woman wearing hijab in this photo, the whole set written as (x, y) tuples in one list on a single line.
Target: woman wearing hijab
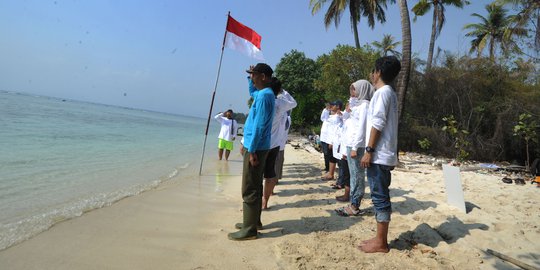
[(361, 92)]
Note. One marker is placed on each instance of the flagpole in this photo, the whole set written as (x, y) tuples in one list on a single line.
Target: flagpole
[(213, 95)]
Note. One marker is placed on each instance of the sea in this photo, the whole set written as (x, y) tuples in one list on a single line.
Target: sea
[(61, 158)]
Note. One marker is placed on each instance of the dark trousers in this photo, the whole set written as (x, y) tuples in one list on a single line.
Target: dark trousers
[(344, 176), (252, 190), (325, 151)]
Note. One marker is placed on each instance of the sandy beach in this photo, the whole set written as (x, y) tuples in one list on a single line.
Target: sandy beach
[(183, 224)]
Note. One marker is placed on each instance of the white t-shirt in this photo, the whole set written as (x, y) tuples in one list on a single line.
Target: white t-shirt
[(334, 123), (383, 116), (284, 103), (229, 127), (355, 124), (284, 139), (324, 128), (338, 147)]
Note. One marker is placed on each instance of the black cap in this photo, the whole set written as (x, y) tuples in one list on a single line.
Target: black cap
[(262, 68), (338, 103)]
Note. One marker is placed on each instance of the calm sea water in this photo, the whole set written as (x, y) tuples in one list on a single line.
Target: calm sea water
[(59, 159)]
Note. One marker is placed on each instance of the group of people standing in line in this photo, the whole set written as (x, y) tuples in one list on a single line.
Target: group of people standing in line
[(262, 146), (361, 140)]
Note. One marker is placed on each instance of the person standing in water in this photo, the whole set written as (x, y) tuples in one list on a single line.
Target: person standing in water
[(227, 134)]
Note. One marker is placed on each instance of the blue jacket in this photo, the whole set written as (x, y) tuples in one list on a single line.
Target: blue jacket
[(258, 126)]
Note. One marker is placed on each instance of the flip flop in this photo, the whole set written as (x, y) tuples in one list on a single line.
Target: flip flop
[(336, 187), (507, 180)]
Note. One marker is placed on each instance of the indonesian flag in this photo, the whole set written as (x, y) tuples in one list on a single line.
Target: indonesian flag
[(243, 39)]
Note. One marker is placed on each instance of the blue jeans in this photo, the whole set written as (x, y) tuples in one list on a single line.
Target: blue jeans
[(379, 179), (358, 177)]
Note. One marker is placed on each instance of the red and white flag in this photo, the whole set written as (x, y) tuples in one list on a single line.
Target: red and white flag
[(243, 39)]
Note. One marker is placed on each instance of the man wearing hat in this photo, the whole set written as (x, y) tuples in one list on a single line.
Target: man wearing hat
[(256, 145)]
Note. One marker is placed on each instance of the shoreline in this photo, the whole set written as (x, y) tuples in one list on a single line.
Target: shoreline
[(184, 225)]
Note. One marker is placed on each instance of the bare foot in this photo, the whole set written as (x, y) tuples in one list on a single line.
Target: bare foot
[(327, 177), (365, 242), (373, 246), (343, 198)]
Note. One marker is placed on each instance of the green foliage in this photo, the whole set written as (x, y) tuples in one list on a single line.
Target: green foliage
[(372, 10), (297, 74), (387, 45), (485, 98), (240, 117), (341, 67), (316, 129), (526, 128), (458, 135), (496, 28), (424, 143)]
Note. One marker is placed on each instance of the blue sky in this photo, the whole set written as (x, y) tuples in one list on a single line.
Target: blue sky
[(163, 55)]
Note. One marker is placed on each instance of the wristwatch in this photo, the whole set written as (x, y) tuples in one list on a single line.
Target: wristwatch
[(369, 149)]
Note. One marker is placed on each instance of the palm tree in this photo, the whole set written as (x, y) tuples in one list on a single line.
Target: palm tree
[(496, 28), (371, 9), (528, 10), (423, 7), (387, 45), (405, 73)]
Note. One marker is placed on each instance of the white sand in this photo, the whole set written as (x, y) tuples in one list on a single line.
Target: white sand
[(184, 225)]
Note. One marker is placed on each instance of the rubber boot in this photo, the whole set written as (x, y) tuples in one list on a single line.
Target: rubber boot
[(249, 228), (240, 225), (259, 223)]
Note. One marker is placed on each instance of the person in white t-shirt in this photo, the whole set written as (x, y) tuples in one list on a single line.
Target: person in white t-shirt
[(227, 134), (333, 121), (339, 150), (325, 140), (381, 154), (284, 102)]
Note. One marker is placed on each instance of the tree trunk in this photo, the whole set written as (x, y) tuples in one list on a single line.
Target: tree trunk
[(537, 35), (405, 73), (492, 49), (356, 39), (432, 39), (527, 167), (354, 23)]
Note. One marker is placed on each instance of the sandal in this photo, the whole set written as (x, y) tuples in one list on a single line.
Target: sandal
[(336, 187), (349, 211)]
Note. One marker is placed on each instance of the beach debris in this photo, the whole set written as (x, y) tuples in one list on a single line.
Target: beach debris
[(511, 260), (519, 181)]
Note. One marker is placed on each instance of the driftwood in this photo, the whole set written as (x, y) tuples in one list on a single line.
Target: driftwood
[(512, 260)]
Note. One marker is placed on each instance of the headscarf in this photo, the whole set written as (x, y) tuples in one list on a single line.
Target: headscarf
[(363, 89)]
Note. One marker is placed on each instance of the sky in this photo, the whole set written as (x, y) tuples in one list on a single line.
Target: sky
[(163, 55)]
